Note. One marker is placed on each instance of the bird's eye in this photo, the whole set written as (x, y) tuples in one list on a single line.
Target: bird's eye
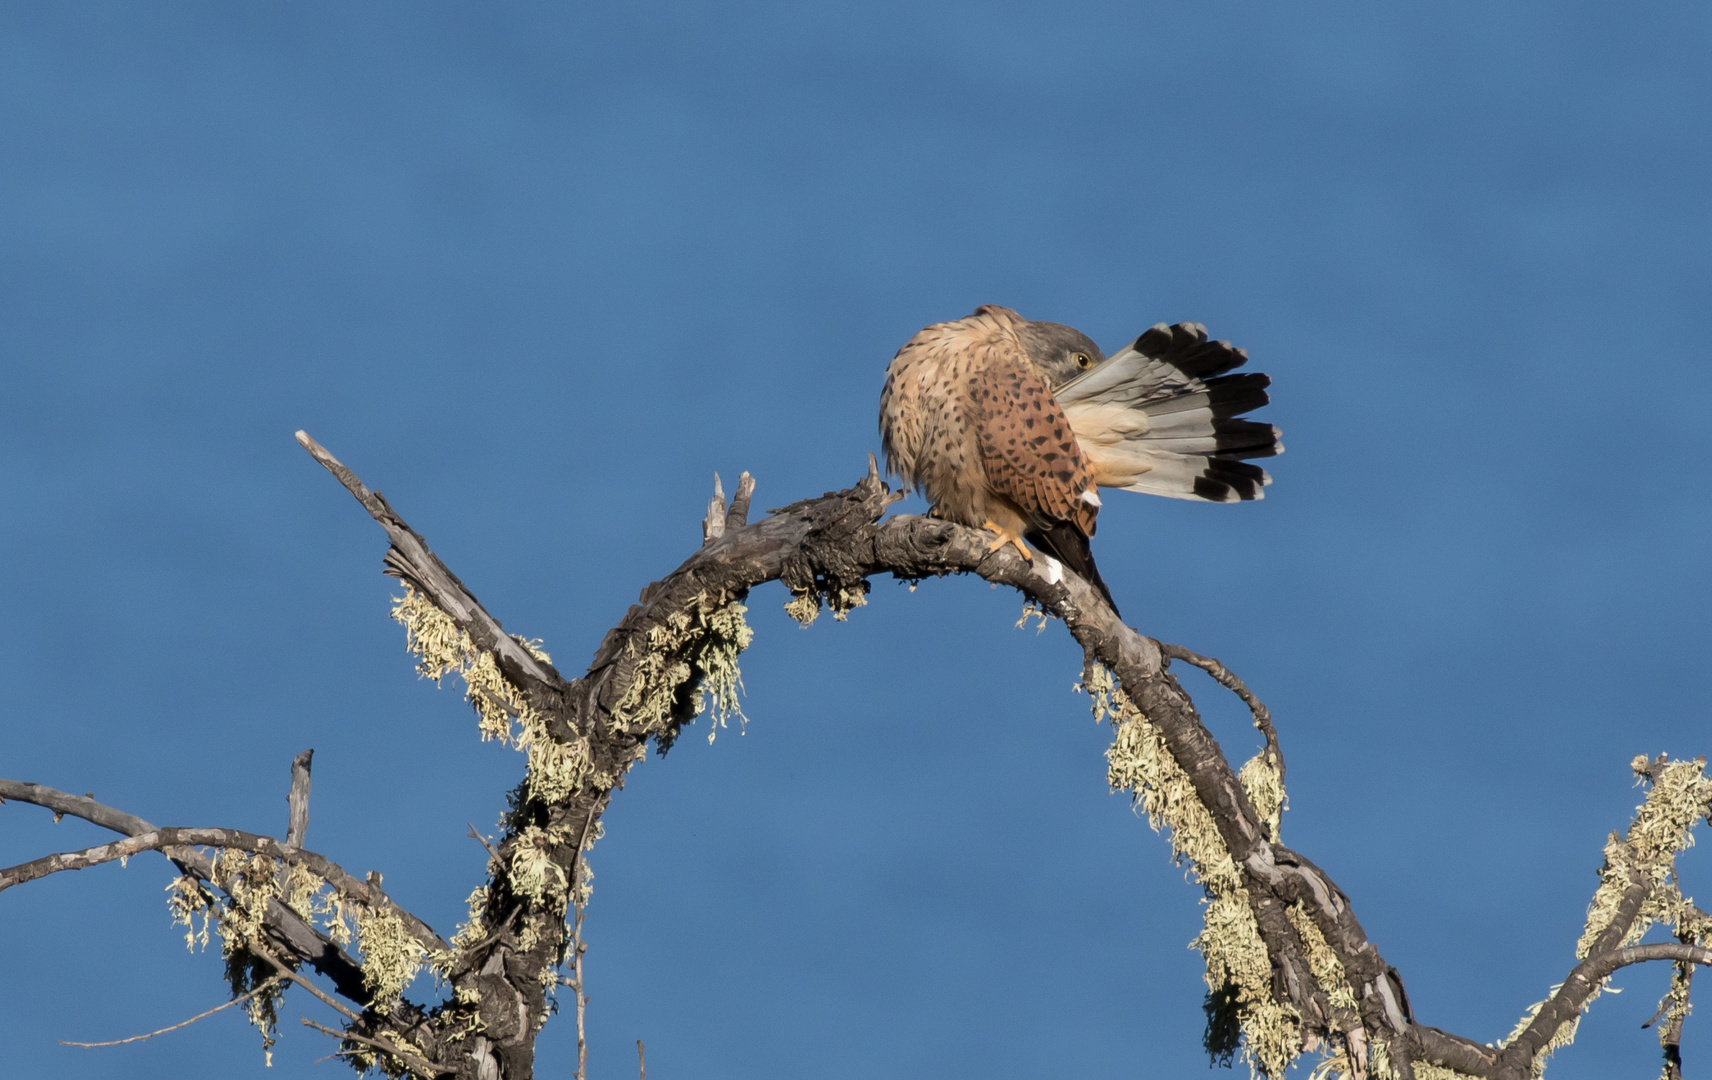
[(1083, 360)]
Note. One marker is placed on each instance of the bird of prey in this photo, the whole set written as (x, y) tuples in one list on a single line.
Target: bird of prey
[(1011, 426)]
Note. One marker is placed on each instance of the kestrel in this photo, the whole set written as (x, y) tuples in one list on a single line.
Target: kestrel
[(1010, 426)]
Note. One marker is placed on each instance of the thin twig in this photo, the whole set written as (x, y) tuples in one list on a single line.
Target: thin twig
[(483, 840), (641, 1061), (1228, 679), (263, 988), (577, 989), (287, 973), (577, 946), (415, 1061)]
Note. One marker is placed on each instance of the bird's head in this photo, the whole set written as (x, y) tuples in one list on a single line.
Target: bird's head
[(1060, 352)]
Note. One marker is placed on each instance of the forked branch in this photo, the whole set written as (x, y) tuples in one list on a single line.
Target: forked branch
[(678, 645)]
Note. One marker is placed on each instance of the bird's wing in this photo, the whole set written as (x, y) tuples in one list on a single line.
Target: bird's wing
[(1028, 448), (1163, 417)]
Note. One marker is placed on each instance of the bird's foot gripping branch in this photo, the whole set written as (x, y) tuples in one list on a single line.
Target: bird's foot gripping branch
[(1289, 968)]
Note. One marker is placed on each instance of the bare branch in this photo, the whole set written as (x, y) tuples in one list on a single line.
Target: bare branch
[(478, 837), (298, 800), (410, 559), (262, 989), (1564, 1005), (79, 806), (1227, 679), (738, 515), (78, 860), (415, 1063), (578, 948)]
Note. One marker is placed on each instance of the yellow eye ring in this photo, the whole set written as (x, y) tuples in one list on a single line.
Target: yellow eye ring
[(1083, 360)]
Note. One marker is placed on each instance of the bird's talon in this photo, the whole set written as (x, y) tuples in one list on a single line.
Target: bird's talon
[(1005, 536)]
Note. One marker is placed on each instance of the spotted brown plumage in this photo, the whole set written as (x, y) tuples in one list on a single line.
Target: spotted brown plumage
[(1009, 425), (968, 416)]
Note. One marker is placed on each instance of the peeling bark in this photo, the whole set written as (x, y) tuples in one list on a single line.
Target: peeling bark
[(823, 550)]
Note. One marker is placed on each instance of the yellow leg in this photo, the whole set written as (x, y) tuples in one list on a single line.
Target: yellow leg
[(1005, 536)]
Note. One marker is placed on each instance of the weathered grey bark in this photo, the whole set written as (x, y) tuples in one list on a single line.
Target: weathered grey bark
[(297, 801), (824, 548)]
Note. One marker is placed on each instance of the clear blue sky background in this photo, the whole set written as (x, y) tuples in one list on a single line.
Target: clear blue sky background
[(537, 271)]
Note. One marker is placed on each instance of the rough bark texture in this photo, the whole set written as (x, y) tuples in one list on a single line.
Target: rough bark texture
[(822, 549)]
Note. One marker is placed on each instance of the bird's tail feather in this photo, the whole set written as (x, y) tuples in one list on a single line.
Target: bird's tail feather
[(1162, 416), (1064, 541)]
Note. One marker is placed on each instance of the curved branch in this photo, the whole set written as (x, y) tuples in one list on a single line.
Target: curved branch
[(79, 806), (1516, 1059), (830, 546), (1226, 678)]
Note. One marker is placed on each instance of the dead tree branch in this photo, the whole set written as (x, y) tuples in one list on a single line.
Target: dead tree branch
[(288, 932), (232, 840), (677, 645)]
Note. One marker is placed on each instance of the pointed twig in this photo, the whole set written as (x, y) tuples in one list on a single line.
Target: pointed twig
[(410, 559), (738, 515), (483, 840), (263, 988), (415, 1063), (713, 525)]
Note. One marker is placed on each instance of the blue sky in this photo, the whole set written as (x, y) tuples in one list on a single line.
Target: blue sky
[(536, 272)]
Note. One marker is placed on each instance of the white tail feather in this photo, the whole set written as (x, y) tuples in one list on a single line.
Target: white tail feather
[(1146, 424)]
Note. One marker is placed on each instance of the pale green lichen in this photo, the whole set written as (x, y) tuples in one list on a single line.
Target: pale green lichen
[(722, 680), (391, 957), (1237, 960), (1032, 610), (470, 933), (533, 873), (1259, 778), (556, 767), (842, 599), (1679, 796), (1336, 1066), (1323, 961), (804, 607), (189, 905), (701, 643)]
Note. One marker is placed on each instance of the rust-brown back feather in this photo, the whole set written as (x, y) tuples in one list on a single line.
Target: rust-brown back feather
[(1028, 450)]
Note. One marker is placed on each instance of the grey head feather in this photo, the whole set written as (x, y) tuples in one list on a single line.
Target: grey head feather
[(1057, 350)]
